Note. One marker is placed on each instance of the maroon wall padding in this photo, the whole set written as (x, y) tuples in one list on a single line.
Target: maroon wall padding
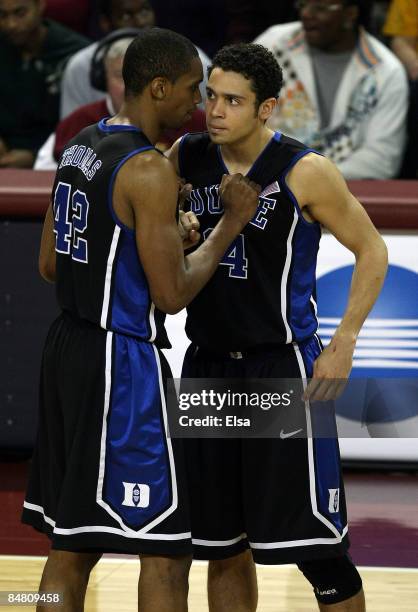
[(390, 204)]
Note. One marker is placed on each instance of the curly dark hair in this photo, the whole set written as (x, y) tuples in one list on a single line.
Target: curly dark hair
[(255, 63), (156, 52)]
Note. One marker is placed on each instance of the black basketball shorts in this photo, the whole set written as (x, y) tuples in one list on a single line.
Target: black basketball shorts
[(283, 498), (104, 475)]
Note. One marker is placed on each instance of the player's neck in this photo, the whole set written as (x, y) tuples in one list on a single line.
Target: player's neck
[(140, 117), (241, 155)]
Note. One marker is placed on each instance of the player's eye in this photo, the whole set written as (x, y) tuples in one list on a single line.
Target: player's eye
[(232, 101), (209, 94)]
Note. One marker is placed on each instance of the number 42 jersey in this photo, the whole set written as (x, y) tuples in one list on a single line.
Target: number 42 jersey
[(99, 274), (263, 292)]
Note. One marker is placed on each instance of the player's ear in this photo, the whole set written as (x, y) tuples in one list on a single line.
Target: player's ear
[(266, 109), (160, 88)]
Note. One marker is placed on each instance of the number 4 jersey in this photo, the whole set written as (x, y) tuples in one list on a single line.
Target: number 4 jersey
[(99, 274), (263, 291)]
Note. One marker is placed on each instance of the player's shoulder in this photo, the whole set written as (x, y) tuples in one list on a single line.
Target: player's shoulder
[(313, 165), (196, 141), (315, 169), (150, 164)]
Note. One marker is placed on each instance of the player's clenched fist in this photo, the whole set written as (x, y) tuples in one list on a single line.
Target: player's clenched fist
[(239, 197)]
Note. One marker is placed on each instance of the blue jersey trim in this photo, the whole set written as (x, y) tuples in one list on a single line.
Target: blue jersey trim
[(102, 125), (302, 320), (180, 155), (290, 193), (111, 184)]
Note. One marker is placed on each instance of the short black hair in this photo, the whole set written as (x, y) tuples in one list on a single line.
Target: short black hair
[(156, 52), (255, 63)]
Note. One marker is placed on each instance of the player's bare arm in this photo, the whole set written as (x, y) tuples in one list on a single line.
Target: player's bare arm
[(47, 256), (146, 190), (188, 222), (324, 197)]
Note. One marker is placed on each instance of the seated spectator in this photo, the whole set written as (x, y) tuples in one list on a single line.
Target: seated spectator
[(345, 94), (114, 14), (33, 53), (402, 28), (75, 14), (107, 65)]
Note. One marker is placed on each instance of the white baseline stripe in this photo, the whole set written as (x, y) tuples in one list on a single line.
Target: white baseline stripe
[(120, 559), (375, 322), (108, 277)]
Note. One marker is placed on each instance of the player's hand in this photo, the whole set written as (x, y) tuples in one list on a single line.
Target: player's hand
[(239, 197), (189, 229), (330, 372), (185, 190)]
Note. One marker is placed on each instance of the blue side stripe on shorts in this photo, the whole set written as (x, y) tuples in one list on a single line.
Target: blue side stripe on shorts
[(136, 447), (326, 450)]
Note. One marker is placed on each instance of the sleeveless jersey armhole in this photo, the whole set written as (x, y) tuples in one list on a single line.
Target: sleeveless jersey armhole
[(285, 186)]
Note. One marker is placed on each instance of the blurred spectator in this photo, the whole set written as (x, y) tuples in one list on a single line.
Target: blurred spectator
[(345, 94), (203, 21), (77, 89), (107, 65), (248, 18), (33, 53), (75, 14), (402, 27)]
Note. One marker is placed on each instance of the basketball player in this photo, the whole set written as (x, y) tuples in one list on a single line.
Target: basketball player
[(104, 476), (281, 498)]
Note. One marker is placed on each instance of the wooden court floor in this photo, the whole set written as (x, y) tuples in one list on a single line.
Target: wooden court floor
[(112, 586)]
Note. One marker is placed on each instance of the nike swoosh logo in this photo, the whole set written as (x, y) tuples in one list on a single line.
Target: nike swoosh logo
[(289, 434)]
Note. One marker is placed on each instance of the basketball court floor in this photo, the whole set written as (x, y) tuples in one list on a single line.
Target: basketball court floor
[(383, 512)]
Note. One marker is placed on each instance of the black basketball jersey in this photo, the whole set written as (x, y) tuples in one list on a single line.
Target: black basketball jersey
[(263, 291), (99, 274)]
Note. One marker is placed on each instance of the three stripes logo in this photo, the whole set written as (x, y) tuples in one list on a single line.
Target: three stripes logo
[(390, 345), (386, 356)]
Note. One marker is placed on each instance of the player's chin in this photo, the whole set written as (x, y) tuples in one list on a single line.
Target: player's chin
[(220, 137)]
